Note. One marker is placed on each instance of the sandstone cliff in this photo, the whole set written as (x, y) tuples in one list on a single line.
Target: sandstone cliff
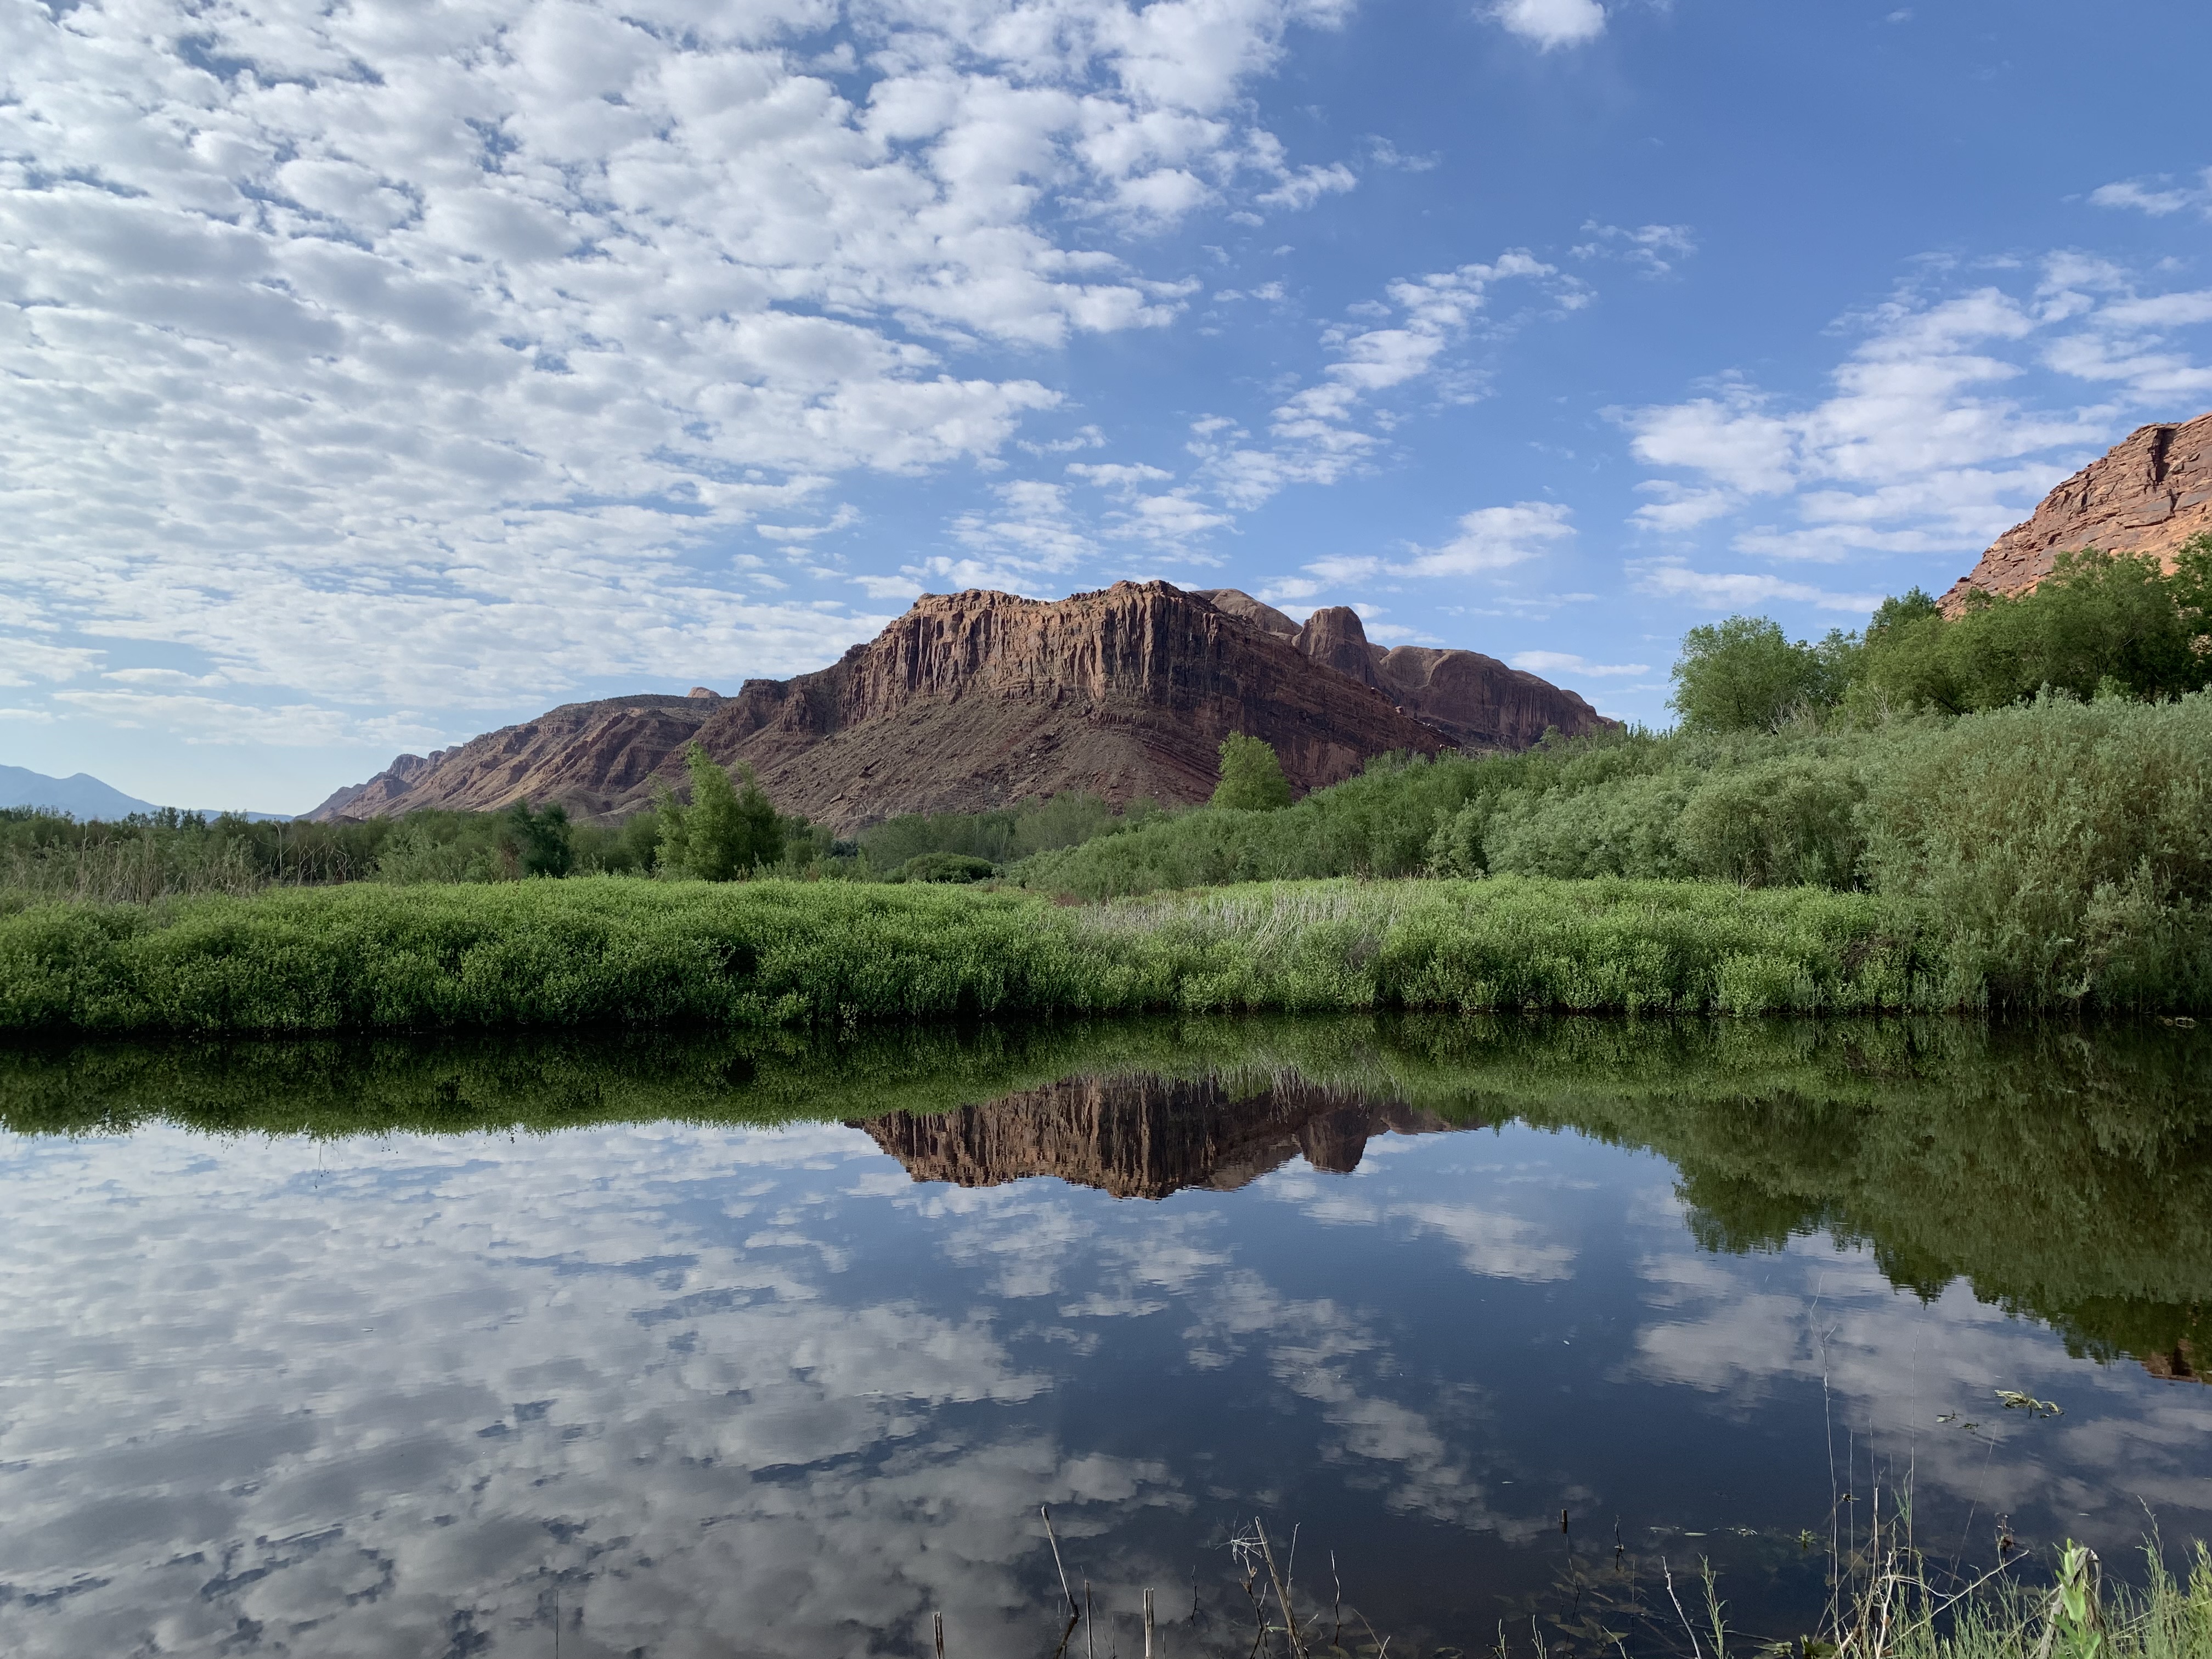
[(972, 701), (977, 700), (1142, 1136), (1476, 702), (2151, 493)]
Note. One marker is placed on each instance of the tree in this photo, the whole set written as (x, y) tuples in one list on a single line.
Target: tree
[(2099, 624), (729, 829), (1745, 675), (536, 843), (1252, 778)]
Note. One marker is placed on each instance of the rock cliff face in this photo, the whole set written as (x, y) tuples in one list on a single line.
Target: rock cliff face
[(1475, 701), (2150, 494), (974, 699), (977, 700), (1142, 1136)]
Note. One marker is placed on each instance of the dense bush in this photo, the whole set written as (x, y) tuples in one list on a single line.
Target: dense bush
[(945, 866), (47, 856), (774, 952), (1252, 778), (2066, 845), (2100, 624), (728, 829), (1745, 675), (2110, 624), (2064, 848), (999, 837)]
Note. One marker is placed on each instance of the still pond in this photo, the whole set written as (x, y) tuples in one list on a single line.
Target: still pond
[(663, 1345)]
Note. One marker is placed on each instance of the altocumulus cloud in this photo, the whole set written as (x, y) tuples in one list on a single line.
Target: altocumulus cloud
[(382, 354)]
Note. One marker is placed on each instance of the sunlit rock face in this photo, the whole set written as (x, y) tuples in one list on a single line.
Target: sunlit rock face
[(2151, 493), (1143, 1136)]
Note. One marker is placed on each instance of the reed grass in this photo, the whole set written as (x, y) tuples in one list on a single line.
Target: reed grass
[(777, 953)]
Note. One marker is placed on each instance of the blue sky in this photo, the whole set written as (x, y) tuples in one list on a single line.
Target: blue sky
[(371, 375)]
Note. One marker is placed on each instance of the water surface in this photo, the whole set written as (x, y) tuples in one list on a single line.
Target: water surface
[(673, 1346)]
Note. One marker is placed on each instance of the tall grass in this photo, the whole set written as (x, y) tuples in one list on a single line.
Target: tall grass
[(770, 953)]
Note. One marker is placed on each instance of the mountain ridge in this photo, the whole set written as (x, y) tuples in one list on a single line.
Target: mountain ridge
[(976, 700)]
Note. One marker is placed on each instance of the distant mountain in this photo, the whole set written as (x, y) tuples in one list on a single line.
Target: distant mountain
[(83, 796), (978, 699)]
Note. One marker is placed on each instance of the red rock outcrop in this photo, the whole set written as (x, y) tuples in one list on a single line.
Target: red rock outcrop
[(1476, 702), (1142, 1136), (978, 699), (973, 701), (2151, 493)]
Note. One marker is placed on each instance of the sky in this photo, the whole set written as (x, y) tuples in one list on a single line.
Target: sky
[(372, 374)]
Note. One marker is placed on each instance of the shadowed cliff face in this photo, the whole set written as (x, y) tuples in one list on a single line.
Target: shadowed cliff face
[(1143, 1136), (2151, 493)]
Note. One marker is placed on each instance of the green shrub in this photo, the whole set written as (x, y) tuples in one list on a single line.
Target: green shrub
[(1252, 778), (728, 829), (2066, 847), (2100, 622), (771, 952), (945, 866), (1745, 675), (1001, 836)]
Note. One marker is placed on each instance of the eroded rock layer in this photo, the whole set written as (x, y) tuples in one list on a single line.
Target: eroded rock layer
[(2151, 493), (973, 701)]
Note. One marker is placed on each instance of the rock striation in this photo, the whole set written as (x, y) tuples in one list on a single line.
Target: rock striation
[(1143, 1136), (977, 700), (1476, 702), (2151, 493)]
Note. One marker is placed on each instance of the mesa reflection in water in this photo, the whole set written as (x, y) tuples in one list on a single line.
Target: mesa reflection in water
[(405, 1348)]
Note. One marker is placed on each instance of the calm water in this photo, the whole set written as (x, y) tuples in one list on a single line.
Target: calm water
[(682, 1346)]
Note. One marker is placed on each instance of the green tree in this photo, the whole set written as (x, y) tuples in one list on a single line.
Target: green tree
[(1252, 778), (1746, 675), (536, 843), (2100, 623), (729, 829)]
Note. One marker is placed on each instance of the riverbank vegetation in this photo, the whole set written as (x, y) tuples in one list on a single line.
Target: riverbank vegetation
[(365, 956), (2009, 808)]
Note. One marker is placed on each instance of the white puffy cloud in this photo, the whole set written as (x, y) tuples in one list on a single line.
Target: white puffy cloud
[(1722, 591), (1406, 337), (1490, 538), (1653, 249), (2156, 197), (1565, 662), (1934, 438), (376, 354), (1552, 23)]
